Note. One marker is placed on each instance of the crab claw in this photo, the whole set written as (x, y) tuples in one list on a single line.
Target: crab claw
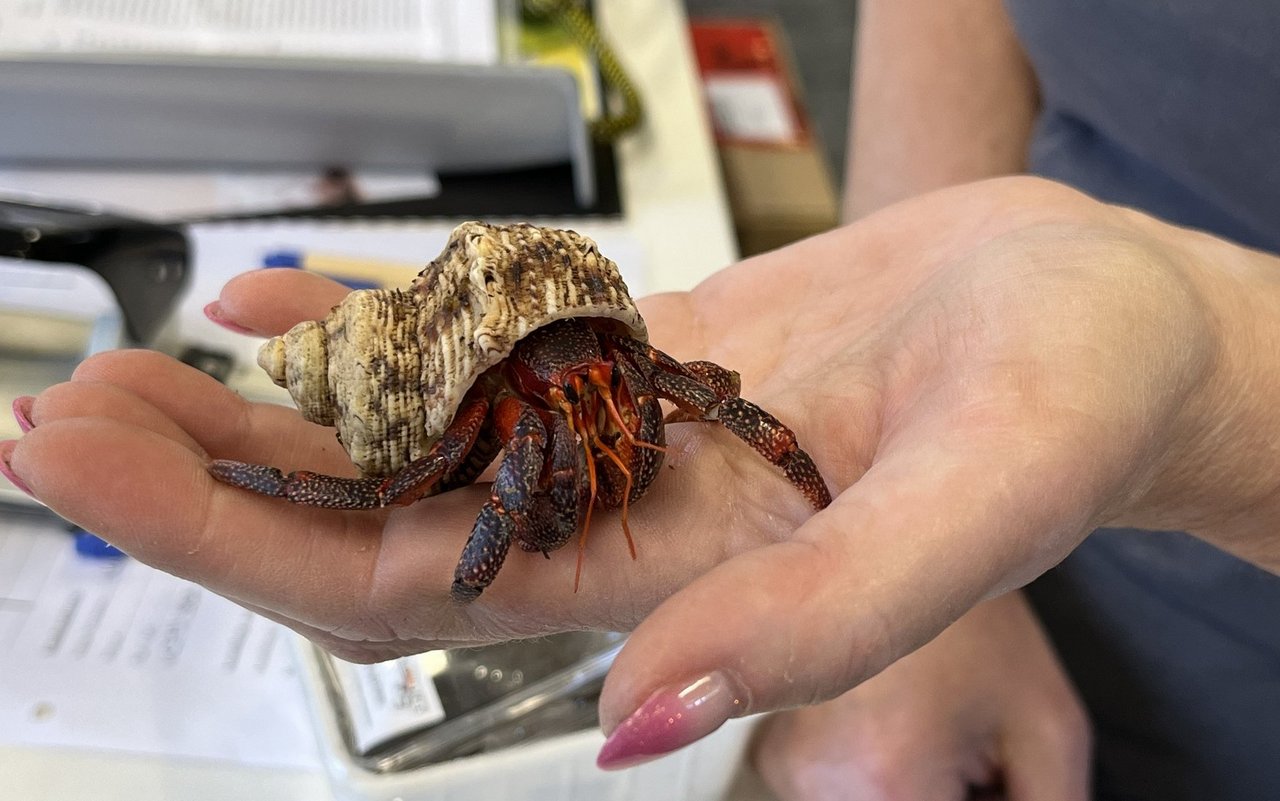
[(484, 554)]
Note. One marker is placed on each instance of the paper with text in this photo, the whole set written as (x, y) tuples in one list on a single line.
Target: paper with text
[(112, 654), (435, 31)]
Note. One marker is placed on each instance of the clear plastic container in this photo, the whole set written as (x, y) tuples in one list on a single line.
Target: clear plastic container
[(512, 722), (478, 700)]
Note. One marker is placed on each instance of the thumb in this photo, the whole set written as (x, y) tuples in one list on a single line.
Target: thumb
[(894, 560)]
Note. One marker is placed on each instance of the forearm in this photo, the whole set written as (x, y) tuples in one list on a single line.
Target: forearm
[(942, 95)]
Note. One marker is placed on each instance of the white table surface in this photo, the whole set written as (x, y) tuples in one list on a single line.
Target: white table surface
[(675, 204)]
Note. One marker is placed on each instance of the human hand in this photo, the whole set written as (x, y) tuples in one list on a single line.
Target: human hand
[(983, 375), (989, 373), (133, 431), (984, 708)]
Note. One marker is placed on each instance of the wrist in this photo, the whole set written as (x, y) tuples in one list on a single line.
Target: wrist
[(1220, 478)]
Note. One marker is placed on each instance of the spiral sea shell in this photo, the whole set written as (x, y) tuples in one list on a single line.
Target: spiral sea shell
[(389, 367)]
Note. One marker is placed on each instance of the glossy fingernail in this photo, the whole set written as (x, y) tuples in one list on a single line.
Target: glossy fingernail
[(213, 311), (6, 450), (670, 719), (22, 412)]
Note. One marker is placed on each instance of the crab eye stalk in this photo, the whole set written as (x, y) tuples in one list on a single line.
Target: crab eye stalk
[(570, 392)]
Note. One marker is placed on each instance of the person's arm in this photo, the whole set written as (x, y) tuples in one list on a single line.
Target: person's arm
[(943, 95)]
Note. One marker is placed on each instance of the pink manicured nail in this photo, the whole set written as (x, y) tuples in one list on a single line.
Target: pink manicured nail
[(22, 412), (213, 311), (671, 719), (6, 448)]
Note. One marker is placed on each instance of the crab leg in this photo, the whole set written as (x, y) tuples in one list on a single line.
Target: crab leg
[(503, 514), (570, 491), (777, 443), (724, 382), (627, 469), (333, 492), (671, 379), (644, 401), (707, 391), (517, 508), (483, 555)]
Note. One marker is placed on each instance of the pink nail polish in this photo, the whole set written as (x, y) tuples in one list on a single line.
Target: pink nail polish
[(7, 471), (22, 412), (213, 311), (671, 719)]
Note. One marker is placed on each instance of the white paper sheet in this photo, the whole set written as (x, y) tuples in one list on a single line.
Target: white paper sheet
[(112, 654), (438, 31)]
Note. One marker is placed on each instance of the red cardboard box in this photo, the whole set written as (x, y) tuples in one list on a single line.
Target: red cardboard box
[(779, 184)]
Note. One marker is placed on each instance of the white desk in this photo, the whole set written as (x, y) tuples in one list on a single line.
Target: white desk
[(675, 203)]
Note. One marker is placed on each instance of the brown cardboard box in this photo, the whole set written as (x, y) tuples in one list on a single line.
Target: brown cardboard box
[(778, 181)]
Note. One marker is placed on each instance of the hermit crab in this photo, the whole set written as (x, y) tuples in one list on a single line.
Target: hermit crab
[(516, 339)]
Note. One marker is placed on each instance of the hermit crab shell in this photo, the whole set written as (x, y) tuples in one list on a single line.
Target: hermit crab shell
[(388, 368)]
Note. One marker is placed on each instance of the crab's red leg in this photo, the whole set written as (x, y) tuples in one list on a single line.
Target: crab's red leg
[(697, 400), (515, 509), (483, 555), (517, 487), (418, 477), (762, 431), (724, 382), (301, 486), (777, 443), (569, 490), (332, 492), (644, 401), (700, 390)]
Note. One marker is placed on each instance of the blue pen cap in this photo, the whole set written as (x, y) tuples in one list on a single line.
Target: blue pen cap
[(283, 258), (94, 547)]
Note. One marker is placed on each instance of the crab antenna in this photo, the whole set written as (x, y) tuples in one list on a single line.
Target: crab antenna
[(606, 389), (626, 497), (591, 476), (578, 427)]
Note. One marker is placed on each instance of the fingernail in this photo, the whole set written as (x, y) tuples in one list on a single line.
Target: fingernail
[(22, 412), (672, 718), (213, 311), (7, 471)]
